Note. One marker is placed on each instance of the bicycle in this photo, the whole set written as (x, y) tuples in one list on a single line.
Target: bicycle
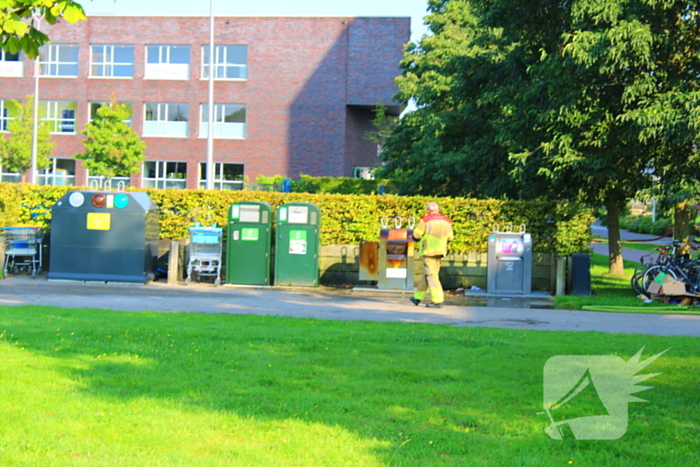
[(680, 268), (639, 271)]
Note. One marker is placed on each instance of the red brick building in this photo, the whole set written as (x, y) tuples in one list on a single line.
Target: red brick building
[(292, 95)]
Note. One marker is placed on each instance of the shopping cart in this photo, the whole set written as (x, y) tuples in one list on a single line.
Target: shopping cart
[(23, 249), (204, 253)]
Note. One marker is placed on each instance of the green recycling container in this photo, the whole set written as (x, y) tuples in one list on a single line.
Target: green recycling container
[(298, 227), (248, 243)]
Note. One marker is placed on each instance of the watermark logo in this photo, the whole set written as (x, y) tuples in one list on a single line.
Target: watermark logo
[(586, 396)]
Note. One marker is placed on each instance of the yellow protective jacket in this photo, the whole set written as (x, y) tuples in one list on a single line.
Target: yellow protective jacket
[(433, 231)]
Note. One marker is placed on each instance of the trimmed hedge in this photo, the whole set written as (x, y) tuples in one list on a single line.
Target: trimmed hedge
[(346, 219), (332, 185)]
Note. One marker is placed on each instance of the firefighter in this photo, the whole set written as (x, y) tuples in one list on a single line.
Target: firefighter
[(433, 232)]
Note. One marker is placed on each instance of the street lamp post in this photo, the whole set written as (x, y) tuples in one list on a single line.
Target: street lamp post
[(210, 133), (35, 122)]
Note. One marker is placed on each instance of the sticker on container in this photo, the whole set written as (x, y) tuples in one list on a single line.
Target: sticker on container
[(76, 199), (250, 235), (99, 221), (250, 213), (235, 211), (110, 201), (283, 214), (395, 273), (121, 201), (297, 242), (298, 214)]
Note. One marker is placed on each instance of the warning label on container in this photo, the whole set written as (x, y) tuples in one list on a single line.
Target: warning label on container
[(297, 242)]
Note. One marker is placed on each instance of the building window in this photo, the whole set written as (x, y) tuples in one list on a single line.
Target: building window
[(364, 172), (230, 62), (59, 116), (165, 119), (111, 61), (58, 60), (10, 65), (96, 105), (164, 174), (167, 62), (9, 177), (226, 176), (8, 111), (229, 121), (8, 56), (60, 173)]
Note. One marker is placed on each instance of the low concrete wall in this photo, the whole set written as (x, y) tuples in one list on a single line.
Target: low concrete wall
[(339, 264)]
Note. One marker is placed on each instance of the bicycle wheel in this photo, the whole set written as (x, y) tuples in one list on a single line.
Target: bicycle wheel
[(637, 277), (653, 273)]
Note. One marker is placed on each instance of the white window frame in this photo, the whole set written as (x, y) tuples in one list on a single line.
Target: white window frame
[(49, 113), (5, 117), (50, 65), (164, 179), (13, 68), (220, 183), (9, 177), (222, 128), (164, 68), (222, 65), (97, 105), (107, 63), (160, 126), (56, 176)]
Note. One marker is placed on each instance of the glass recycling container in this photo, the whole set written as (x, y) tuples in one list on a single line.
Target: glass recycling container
[(509, 261), (396, 257), (104, 236), (297, 240), (249, 243)]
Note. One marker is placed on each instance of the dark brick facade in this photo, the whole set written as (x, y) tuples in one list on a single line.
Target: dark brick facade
[(311, 84)]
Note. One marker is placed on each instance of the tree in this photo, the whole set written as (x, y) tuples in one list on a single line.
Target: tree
[(18, 27), (383, 123), (565, 99), (16, 150), (112, 148)]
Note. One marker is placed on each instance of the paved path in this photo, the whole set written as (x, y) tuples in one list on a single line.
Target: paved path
[(325, 304)]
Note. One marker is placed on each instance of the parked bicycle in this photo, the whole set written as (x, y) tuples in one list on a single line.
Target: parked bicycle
[(678, 267)]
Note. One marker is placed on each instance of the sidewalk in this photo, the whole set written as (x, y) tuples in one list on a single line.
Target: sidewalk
[(324, 303)]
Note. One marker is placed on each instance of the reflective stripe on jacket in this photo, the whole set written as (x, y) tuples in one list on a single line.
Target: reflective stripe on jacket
[(433, 231)]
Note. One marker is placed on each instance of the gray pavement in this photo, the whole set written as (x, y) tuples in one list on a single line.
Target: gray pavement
[(324, 303)]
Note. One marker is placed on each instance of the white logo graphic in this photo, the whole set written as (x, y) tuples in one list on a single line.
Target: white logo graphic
[(587, 395)]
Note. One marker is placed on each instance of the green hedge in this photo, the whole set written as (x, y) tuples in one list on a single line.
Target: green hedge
[(346, 219), (332, 185), (644, 224)]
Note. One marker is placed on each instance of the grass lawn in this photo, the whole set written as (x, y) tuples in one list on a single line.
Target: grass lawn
[(104, 388)]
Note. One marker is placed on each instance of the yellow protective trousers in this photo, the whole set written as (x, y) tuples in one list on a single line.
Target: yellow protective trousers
[(430, 280)]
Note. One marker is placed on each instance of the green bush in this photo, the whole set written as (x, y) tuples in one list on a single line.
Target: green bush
[(661, 227), (633, 223), (331, 185), (644, 225), (346, 219)]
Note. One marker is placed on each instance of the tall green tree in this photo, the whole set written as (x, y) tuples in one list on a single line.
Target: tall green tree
[(112, 148), (19, 28), (582, 99), (16, 148)]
